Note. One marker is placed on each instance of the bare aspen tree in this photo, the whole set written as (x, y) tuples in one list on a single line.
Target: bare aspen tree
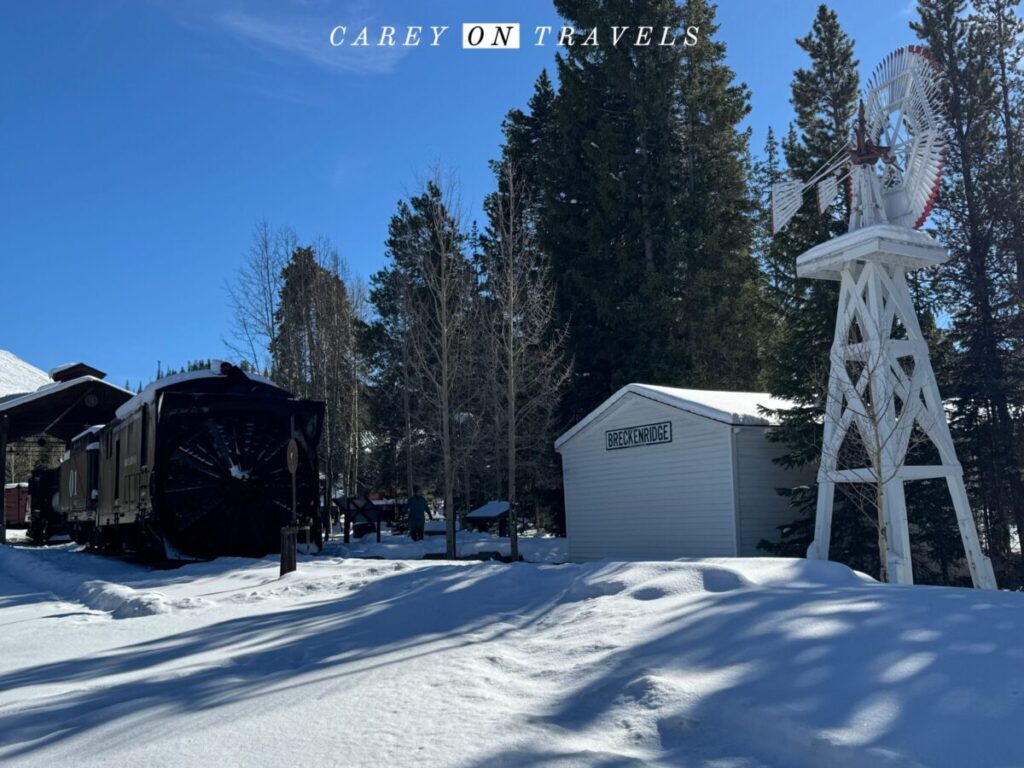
[(336, 346), (394, 390), (406, 361), (359, 310), (440, 307), (255, 294), (312, 345), (529, 351)]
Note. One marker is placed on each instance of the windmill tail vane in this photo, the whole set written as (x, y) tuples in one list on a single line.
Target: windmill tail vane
[(788, 195)]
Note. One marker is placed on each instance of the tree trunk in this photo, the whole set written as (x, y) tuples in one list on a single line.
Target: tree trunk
[(407, 408), (513, 513)]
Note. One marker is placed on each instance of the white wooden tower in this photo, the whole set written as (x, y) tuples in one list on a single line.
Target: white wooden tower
[(883, 405)]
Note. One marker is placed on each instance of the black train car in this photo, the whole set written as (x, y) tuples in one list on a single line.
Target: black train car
[(195, 466), (45, 519), (79, 482)]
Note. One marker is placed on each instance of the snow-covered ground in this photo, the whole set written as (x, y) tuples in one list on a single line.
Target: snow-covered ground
[(398, 663)]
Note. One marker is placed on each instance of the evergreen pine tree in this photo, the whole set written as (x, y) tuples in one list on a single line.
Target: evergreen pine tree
[(977, 286), (645, 207), (712, 298), (803, 312)]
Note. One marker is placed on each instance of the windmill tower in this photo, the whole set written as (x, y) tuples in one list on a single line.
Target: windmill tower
[(884, 418)]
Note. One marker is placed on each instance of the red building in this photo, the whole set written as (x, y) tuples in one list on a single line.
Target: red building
[(16, 504)]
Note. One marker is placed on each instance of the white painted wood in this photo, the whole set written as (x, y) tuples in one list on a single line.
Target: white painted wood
[(711, 492), (761, 508), (728, 407), (883, 242), (649, 502), (874, 293)]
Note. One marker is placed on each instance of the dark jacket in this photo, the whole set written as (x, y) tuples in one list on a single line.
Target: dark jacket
[(417, 511)]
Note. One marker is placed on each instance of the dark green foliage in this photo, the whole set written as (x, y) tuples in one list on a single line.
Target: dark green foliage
[(312, 348), (803, 311), (645, 207), (978, 218)]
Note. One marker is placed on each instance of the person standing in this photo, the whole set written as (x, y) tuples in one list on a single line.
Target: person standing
[(418, 511)]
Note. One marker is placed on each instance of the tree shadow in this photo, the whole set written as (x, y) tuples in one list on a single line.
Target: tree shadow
[(802, 676), (839, 674), (391, 619)]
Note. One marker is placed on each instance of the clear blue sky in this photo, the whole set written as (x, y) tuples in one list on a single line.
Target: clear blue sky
[(140, 141)]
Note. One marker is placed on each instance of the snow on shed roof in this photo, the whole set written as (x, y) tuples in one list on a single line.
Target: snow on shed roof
[(736, 408), (490, 509), (18, 377)]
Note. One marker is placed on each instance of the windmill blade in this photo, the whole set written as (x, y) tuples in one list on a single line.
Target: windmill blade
[(826, 192), (906, 113), (787, 197)]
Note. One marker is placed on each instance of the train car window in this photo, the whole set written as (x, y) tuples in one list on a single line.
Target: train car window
[(117, 470), (93, 468), (143, 451)]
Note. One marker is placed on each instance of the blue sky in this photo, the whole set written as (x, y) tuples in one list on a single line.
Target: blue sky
[(141, 141)]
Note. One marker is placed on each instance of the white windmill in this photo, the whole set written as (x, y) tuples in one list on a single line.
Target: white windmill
[(882, 393)]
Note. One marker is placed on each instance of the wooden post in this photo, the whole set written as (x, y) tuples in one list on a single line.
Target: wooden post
[(289, 541), (345, 514), (289, 534)]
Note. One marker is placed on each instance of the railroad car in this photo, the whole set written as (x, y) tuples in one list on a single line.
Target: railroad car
[(45, 519), (194, 467)]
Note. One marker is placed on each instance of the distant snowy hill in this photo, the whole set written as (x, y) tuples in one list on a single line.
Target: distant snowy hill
[(18, 377)]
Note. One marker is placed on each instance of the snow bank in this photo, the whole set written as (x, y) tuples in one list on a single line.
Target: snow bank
[(48, 571)]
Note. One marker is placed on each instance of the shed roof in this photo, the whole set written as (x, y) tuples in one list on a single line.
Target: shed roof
[(735, 408), (62, 409), (490, 511)]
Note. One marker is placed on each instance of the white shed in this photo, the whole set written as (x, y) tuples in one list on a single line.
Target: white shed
[(658, 472)]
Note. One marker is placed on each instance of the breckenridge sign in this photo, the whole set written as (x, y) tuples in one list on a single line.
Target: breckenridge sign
[(634, 437)]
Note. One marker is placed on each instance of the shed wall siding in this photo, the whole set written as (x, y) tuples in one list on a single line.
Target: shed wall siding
[(655, 501), (762, 509)]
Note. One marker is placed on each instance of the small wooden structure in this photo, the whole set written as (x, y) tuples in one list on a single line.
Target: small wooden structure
[(359, 513), (658, 473), (59, 410), (491, 513), (16, 504)]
